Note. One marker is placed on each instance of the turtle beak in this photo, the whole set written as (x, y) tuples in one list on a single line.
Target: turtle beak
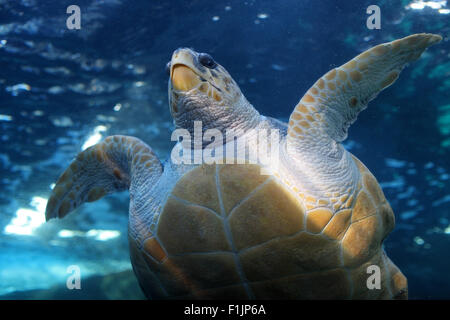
[(182, 74), (173, 100), (183, 78)]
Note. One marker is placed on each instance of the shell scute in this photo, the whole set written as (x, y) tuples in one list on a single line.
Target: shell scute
[(189, 228), (270, 212)]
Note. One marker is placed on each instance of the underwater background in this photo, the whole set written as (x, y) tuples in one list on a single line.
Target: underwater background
[(63, 90)]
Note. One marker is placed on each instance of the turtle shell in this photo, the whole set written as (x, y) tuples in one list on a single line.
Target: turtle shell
[(227, 231)]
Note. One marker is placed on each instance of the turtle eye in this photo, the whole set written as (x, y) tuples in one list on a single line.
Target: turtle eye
[(168, 68), (206, 60)]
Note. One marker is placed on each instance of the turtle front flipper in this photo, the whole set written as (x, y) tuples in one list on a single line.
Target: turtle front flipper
[(331, 105), (116, 164)]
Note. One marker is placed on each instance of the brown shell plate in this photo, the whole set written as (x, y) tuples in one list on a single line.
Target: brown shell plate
[(227, 231)]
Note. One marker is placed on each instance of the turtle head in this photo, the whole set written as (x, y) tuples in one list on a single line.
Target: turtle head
[(200, 89)]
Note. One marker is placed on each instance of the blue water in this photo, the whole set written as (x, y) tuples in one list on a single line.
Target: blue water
[(61, 90)]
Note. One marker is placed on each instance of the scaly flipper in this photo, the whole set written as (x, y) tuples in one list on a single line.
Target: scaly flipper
[(116, 164), (331, 105)]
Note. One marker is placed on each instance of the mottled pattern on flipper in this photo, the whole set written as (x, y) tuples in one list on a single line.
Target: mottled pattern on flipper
[(332, 104), (116, 164)]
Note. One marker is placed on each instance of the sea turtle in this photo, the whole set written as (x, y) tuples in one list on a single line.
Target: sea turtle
[(310, 227)]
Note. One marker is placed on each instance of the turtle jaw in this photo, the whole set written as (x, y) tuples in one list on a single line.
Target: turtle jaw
[(186, 84), (183, 78), (183, 71)]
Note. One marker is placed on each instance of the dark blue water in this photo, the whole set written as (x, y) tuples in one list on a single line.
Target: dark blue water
[(60, 89)]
